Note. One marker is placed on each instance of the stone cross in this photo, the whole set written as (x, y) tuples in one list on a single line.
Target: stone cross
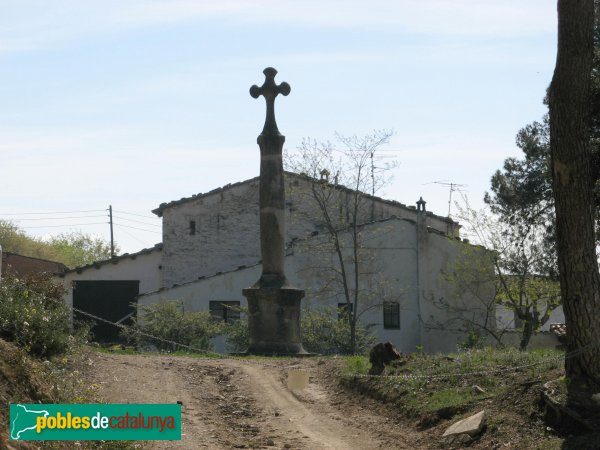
[(273, 305), (271, 190), (269, 90)]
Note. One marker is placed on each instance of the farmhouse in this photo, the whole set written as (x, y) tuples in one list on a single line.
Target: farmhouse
[(211, 251)]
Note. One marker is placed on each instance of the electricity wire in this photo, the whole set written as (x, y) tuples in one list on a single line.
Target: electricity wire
[(137, 221), (134, 214), (60, 218), (67, 225), (53, 212), (140, 229)]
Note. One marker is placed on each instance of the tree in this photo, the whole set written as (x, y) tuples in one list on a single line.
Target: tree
[(522, 190), (341, 208), (573, 186), (515, 253), (78, 249), (521, 195)]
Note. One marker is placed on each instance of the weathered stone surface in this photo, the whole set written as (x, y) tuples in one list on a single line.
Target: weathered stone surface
[(471, 425), (272, 192), (273, 305), (380, 356), (274, 321)]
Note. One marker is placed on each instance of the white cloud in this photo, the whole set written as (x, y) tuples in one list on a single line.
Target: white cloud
[(30, 24), (464, 17)]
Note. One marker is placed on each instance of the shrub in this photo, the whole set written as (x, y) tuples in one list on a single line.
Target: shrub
[(33, 316), (236, 333), (322, 333), (168, 320)]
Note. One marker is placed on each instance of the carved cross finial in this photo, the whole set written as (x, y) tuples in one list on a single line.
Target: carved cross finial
[(269, 90)]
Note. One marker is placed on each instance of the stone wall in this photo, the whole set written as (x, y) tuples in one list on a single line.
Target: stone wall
[(219, 231)]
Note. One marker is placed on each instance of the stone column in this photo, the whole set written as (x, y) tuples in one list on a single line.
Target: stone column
[(273, 305)]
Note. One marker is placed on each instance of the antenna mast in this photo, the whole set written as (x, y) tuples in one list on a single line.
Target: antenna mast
[(452, 187)]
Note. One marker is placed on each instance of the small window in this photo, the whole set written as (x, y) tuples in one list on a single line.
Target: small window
[(192, 227), (343, 309), (391, 315), (226, 311)]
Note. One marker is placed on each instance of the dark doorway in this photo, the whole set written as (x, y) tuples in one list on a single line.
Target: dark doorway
[(110, 300)]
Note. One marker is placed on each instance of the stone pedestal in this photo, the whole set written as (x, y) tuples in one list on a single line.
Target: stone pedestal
[(274, 321)]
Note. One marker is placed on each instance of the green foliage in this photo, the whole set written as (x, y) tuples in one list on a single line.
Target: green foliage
[(474, 339), (237, 334), (33, 315), (448, 398), (357, 365), (78, 249), (519, 268), (322, 333), (435, 386), (168, 320), (72, 249)]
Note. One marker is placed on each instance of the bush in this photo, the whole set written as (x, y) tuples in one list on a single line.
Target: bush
[(236, 334), (168, 320), (34, 317), (322, 333)]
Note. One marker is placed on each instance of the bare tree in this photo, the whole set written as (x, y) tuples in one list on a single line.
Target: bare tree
[(572, 182), (343, 180)]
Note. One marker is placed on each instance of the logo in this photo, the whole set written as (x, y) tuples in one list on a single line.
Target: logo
[(95, 422)]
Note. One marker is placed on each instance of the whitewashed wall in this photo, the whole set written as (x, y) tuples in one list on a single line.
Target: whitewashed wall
[(143, 266), (392, 255), (506, 318)]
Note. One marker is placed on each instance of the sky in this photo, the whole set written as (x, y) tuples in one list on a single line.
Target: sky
[(139, 102)]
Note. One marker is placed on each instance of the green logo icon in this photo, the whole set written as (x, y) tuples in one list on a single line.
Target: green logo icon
[(95, 422)]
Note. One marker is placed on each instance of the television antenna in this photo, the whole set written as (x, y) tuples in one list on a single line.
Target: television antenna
[(452, 187)]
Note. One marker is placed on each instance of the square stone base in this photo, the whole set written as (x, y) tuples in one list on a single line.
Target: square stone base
[(274, 321)]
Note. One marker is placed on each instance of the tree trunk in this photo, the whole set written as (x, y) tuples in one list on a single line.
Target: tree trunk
[(573, 194), (526, 334)]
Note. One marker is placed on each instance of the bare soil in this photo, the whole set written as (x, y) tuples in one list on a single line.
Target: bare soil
[(234, 403)]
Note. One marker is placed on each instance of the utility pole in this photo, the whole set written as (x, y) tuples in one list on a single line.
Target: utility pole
[(372, 173), (112, 241)]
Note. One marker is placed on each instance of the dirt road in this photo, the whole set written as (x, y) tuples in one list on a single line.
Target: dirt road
[(242, 404)]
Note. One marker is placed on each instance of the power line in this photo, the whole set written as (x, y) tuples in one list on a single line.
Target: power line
[(133, 214), (60, 218), (67, 225), (136, 228), (133, 236), (54, 212), (137, 221)]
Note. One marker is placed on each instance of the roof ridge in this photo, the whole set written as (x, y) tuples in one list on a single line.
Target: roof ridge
[(116, 259), (165, 205)]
